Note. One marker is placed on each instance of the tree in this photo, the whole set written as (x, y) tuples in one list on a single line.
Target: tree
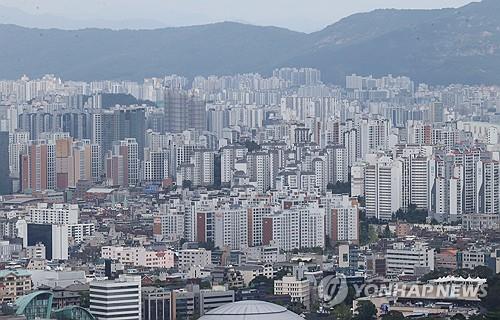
[(387, 234), (478, 317), (433, 275), (361, 201), (207, 245), (393, 315), (340, 187), (482, 272), (365, 310), (342, 312), (187, 184), (85, 299), (363, 233), (351, 295), (259, 280), (372, 234), (195, 316), (367, 234), (280, 274), (297, 307), (252, 146), (412, 215), (491, 301), (205, 285), (263, 284)]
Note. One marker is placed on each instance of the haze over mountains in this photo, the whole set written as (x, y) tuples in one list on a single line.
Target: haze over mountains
[(15, 16), (435, 46)]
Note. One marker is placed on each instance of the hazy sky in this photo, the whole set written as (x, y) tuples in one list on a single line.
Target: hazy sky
[(303, 15)]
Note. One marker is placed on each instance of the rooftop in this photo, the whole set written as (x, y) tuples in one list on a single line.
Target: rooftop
[(17, 272), (250, 310)]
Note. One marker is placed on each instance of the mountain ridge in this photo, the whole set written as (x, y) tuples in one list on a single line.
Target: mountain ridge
[(435, 46)]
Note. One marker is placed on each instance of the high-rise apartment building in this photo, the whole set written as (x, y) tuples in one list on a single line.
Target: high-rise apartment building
[(155, 165), (5, 181), (383, 188), (342, 220), (122, 163), (231, 228), (38, 166), (184, 111), (259, 167), (295, 228), (119, 124), (204, 167)]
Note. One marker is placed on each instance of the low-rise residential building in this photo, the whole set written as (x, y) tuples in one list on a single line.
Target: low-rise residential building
[(139, 257), (194, 257), (36, 252), (404, 258), (298, 290), (250, 272), (14, 284), (481, 222), (446, 258), (472, 258)]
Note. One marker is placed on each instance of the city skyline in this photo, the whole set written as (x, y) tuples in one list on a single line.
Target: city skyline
[(236, 170)]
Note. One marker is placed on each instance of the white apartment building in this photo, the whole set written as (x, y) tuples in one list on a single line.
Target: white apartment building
[(132, 160), (358, 180), (319, 168), (472, 258), (259, 167), (312, 226), (298, 227), (342, 220), (139, 256), (172, 226), (231, 228), (489, 194), (78, 232), (298, 290), (155, 165), (255, 216), (383, 188), (194, 257), (419, 174), (229, 155), (250, 272), (403, 258), (338, 165), (203, 161), (374, 135), (44, 213)]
